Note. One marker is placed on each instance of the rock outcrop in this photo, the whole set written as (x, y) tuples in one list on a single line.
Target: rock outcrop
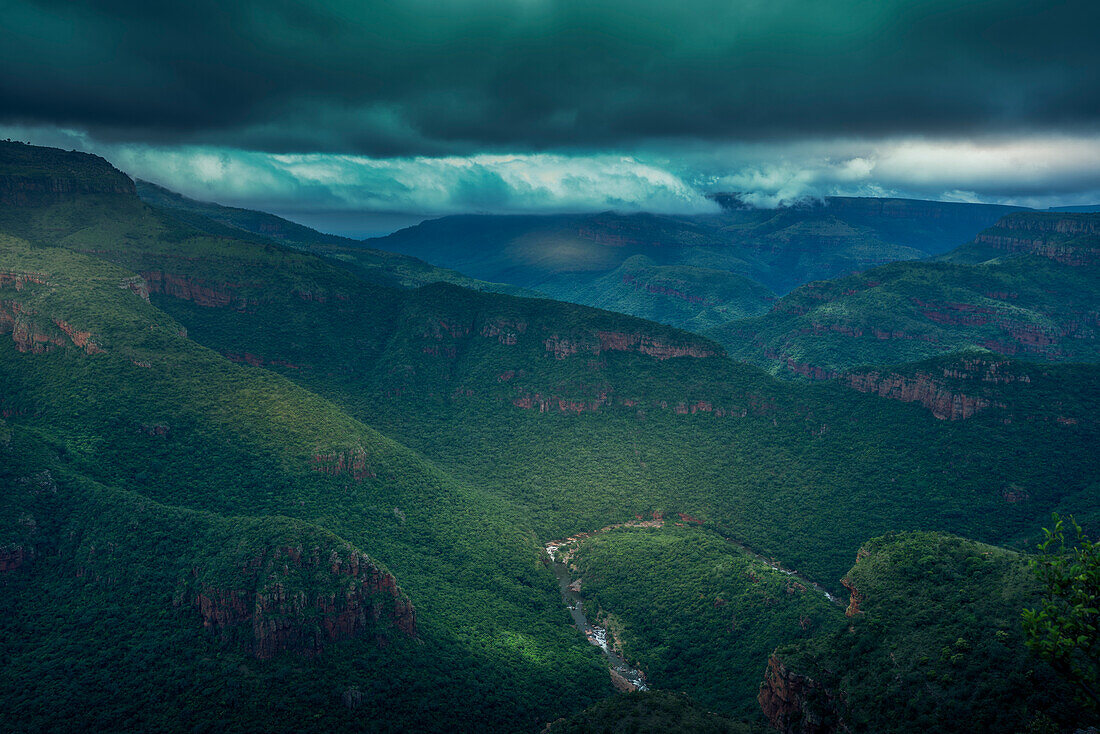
[(944, 402), (29, 335), (620, 683), (615, 341), (211, 295), (664, 290), (35, 334), (797, 704), (854, 600), (353, 462), (1070, 239), (302, 601), (14, 556)]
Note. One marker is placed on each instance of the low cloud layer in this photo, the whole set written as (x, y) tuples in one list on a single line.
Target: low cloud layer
[(362, 195), (1032, 170)]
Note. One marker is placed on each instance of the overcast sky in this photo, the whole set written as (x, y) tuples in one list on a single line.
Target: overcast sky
[(341, 110)]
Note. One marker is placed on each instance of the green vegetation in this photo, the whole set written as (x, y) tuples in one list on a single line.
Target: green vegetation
[(375, 266), (697, 613), (155, 421), (1065, 630), (653, 712), (936, 644), (1025, 305), (691, 298), (182, 403)]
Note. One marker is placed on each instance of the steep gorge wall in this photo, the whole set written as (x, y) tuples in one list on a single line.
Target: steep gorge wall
[(797, 704), (1070, 239), (303, 600)]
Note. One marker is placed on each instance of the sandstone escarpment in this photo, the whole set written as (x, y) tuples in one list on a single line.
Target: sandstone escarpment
[(1069, 239), (797, 704), (44, 190), (36, 334), (661, 289), (447, 336), (26, 331), (563, 347), (211, 295), (945, 402), (301, 601), (33, 176), (19, 279), (911, 209), (552, 403)]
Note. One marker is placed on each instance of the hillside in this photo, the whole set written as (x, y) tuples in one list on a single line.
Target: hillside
[(204, 511), (583, 418), (1028, 288), (656, 712), (693, 273), (376, 266), (933, 644), (695, 611), (690, 298), (233, 425)]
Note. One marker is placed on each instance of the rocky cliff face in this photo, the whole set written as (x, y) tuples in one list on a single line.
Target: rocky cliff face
[(211, 295), (952, 392), (36, 334), (856, 597), (662, 289), (797, 704), (1070, 239), (563, 347), (301, 601), (44, 190), (912, 209), (854, 600), (944, 402)]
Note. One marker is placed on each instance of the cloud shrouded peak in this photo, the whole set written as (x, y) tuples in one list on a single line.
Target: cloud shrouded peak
[(422, 77)]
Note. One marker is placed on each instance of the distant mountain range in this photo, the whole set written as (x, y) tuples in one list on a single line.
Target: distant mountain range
[(670, 269), (1028, 287), (716, 274)]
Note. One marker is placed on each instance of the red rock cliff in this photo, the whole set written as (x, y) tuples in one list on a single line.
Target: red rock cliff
[(1071, 239), (615, 341), (303, 601), (797, 704), (923, 388), (35, 334), (212, 295)]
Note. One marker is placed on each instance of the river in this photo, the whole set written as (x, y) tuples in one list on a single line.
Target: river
[(595, 635)]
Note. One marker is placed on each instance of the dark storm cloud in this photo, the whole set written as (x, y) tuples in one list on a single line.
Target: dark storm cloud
[(441, 77)]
